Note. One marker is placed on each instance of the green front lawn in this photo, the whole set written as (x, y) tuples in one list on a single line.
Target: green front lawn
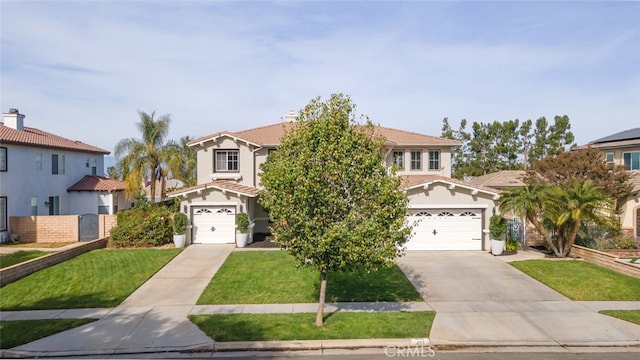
[(15, 333), (581, 280), (271, 277), (99, 278), (339, 325), (20, 256), (628, 315)]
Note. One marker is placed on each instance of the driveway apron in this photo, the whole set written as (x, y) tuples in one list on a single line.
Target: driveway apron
[(481, 300), (153, 317)]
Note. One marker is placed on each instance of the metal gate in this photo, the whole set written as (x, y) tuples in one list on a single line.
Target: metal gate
[(88, 227)]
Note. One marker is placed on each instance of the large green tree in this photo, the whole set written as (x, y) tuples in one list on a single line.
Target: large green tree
[(334, 204), (139, 160), (181, 160)]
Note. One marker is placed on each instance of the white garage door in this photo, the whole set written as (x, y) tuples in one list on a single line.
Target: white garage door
[(214, 225), (445, 229)]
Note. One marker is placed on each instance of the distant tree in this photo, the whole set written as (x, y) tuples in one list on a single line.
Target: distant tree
[(334, 204), (143, 159), (582, 165), (460, 155)]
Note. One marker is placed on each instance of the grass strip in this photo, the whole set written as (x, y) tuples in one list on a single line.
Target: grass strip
[(273, 277), (20, 256), (628, 315), (581, 280), (19, 332), (338, 325), (97, 279)]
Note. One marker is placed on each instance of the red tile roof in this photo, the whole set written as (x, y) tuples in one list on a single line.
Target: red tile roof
[(270, 135), (34, 137), (97, 183)]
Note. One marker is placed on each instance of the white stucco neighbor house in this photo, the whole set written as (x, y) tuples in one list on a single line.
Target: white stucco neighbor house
[(447, 214), (45, 174)]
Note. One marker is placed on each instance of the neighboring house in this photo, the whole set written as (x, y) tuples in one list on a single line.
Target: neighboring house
[(447, 214), (500, 180), (108, 193), (38, 168), (623, 148)]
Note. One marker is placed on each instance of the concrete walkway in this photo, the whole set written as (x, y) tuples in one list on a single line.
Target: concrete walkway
[(479, 299)]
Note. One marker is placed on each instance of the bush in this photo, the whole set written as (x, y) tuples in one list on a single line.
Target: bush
[(242, 222), (136, 228), (512, 244), (497, 226), (180, 221), (618, 243)]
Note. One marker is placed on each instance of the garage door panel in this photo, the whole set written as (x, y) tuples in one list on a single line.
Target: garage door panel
[(445, 229), (214, 225)]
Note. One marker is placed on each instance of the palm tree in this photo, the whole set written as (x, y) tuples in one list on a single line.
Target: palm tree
[(568, 206), (181, 159), (527, 202), (140, 160)]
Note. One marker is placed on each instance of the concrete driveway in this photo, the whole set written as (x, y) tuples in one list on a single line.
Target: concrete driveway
[(482, 300)]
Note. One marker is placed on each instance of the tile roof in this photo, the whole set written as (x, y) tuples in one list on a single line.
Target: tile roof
[(225, 185), (411, 181), (34, 137), (270, 135), (620, 136), (97, 183), (500, 179)]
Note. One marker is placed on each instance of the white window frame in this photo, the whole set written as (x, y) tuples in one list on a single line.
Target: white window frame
[(4, 159), (3, 213), (630, 163), (607, 156), (417, 161), (57, 167), (398, 159), (434, 161), (223, 165)]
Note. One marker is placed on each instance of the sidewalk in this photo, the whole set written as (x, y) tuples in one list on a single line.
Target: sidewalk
[(154, 318)]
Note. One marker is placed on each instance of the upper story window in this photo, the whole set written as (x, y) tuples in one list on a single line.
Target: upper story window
[(39, 161), (416, 159), (3, 159), (57, 164), (434, 160), (609, 158), (398, 158), (631, 160), (226, 160)]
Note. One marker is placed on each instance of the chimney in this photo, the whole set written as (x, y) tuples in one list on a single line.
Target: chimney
[(291, 116), (13, 119)]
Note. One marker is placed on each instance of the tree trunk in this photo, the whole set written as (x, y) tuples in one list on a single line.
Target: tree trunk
[(323, 292)]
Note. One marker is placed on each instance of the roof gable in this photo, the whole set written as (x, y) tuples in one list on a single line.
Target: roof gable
[(39, 138), (417, 181)]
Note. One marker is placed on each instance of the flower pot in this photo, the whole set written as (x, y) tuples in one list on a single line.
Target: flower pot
[(178, 240), (242, 239), (497, 247)]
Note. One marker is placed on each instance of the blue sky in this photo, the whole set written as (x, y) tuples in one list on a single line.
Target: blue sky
[(82, 69)]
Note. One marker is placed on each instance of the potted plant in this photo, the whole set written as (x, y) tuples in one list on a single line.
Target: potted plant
[(497, 229), (180, 221), (242, 226)]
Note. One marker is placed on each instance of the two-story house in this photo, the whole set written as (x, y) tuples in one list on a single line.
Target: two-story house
[(623, 148), (447, 214), (46, 174)]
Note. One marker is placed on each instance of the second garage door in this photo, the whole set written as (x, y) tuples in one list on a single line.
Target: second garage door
[(214, 225), (445, 229)]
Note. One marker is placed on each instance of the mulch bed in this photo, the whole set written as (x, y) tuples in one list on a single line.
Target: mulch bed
[(261, 240)]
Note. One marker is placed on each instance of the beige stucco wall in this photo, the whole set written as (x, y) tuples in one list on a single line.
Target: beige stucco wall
[(628, 214), (206, 155), (445, 161), (439, 196), (617, 153)]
